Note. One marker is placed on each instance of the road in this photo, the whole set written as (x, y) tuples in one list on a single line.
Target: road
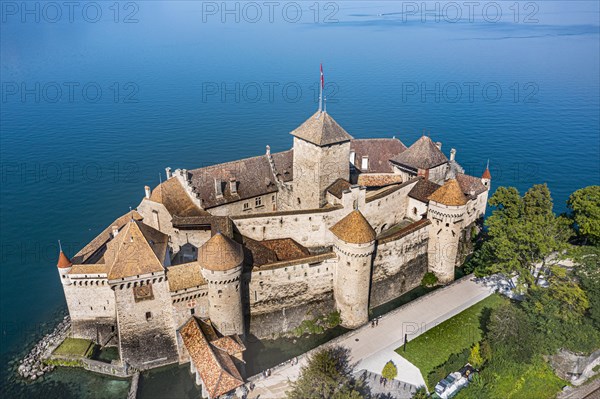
[(372, 347)]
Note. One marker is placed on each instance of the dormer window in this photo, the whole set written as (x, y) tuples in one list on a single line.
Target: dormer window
[(218, 188), (352, 157), (233, 185), (364, 165)]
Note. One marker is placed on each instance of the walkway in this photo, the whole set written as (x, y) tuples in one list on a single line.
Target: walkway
[(372, 347)]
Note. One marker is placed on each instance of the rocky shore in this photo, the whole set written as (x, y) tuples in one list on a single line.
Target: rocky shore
[(32, 365)]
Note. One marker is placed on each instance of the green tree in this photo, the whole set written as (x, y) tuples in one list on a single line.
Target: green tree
[(390, 371), (585, 209), (522, 231), (588, 272), (328, 375), (475, 357), (510, 333)]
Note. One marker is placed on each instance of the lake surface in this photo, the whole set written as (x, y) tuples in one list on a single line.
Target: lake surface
[(98, 100)]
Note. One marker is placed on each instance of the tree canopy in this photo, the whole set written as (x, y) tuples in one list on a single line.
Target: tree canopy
[(328, 375), (390, 371), (585, 208)]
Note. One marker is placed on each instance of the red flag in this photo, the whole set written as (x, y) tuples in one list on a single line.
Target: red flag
[(322, 78)]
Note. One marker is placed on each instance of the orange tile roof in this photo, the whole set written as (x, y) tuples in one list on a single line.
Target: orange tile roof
[(220, 253), (186, 275), (63, 261), (486, 174), (215, 366), (354, 228), (137, 249), (378, 180), (449, 194)]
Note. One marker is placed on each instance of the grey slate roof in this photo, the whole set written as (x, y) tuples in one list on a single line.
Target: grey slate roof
[(379, 151), (253, 177), (321, 129), (470, 184), (423, 154), (423, 189)]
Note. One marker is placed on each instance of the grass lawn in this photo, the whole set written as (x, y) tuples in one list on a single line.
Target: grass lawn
[(75, 347), (434, 347)]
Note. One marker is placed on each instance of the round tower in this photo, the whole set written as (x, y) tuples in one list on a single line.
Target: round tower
[(447, 208), (221, 260), (354, 244), (64, 266)]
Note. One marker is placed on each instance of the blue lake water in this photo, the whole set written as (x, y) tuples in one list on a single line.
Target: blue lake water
[(93, 111)]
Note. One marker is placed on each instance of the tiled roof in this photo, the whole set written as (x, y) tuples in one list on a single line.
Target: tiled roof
[(449, 194), (423, 154), (85, 255), (220, 253), (470, 184), (63, 261), (172, 195), (378, 180), (253, 176), (216, 368), (97, 268), (423, 189), (321, 129), (186, 275), (229, 345), (354, 228), (137, 249), (286, 248), (486, 174), (338, 187), (379, 151)]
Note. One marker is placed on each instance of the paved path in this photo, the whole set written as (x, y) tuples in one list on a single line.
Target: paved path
[(371, 347)]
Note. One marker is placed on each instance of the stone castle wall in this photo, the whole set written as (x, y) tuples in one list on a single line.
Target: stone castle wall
[(91, 304), (146, 329), (184, 302), (285, 296), (385, 211), (399, 266)]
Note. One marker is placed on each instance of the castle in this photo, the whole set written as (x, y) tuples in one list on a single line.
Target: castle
[(256, 246)]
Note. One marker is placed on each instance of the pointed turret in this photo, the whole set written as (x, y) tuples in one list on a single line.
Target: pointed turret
[(486, 178), (220, 253), (63, 261), (64, 265), (449, 194), (354, 229)]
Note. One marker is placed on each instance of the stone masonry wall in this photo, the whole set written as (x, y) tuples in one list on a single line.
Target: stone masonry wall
[(399, 266), (146, 329)]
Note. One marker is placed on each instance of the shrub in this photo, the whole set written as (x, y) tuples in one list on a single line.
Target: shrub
[(389, 371), (475, 357), (429, 280)]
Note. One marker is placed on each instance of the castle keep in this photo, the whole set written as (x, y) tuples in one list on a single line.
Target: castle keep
[(256, 246)]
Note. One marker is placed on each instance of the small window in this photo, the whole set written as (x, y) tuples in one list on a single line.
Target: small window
[(415, 210), (246, 206), (258, 201), (192, 311), (365, 163), (272, 198), (148, 316)]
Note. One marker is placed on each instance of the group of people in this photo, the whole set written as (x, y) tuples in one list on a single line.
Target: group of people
[(375, 321)]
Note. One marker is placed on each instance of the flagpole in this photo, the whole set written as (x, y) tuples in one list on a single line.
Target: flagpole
[(321, 90)]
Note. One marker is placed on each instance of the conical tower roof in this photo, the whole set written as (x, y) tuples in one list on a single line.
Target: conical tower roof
[(220, 253), (487, 174), (63, 261), (449, 194), (321, 129), (354, 228), (422, 154)]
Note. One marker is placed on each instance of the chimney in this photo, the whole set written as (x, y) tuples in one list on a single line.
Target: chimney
[(268, 150), (452, 154), (233, 185), (115, 231), (438, 144), (218, 188), (147, 189), (169, 173)]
